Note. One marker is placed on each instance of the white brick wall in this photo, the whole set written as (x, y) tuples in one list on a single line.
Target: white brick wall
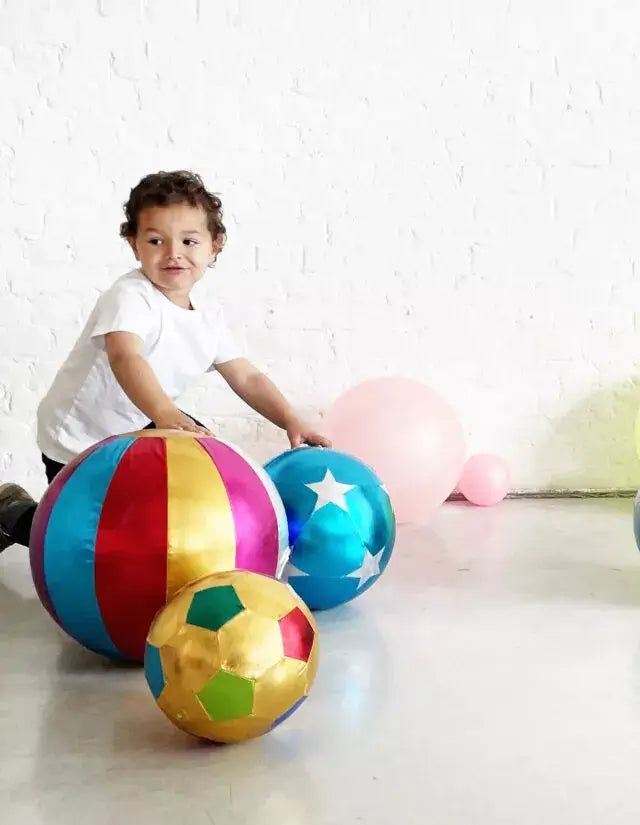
[(444, 190)]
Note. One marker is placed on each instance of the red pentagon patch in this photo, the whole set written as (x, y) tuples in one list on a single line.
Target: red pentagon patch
[(297, 635)]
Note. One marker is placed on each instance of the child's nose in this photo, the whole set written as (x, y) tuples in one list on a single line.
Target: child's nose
[(174, 249)]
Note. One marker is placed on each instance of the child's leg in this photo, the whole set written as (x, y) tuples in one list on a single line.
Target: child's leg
[(51, 468), (17, 509)]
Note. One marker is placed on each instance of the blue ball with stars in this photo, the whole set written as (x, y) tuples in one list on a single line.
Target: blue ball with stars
[(341, 524)]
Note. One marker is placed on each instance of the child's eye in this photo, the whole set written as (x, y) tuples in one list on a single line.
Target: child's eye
[(190, 242), (155, 241)]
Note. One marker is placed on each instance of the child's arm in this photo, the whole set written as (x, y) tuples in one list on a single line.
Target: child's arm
[(139, 382), (260, 393)]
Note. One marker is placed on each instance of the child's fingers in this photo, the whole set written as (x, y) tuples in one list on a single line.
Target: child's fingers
[(319, 441), (192, 428)]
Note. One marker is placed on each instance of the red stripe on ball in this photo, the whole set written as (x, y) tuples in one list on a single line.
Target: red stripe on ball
[(131, 546)]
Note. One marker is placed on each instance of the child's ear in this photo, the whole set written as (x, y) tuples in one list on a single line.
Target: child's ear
[(218, 243), (132, 244)]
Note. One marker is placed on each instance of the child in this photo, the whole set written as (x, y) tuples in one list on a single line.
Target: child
[(147, 340)]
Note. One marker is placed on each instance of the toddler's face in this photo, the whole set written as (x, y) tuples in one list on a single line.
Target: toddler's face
[(174, 247)]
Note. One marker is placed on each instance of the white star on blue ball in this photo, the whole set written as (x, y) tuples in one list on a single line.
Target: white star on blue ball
[(341, 525)]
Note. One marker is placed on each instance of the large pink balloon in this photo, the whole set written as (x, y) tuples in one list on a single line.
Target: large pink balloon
[(485, 480), (408, 434)]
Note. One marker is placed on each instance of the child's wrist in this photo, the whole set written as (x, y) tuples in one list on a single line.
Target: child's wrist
[(162, 409), (290, 419)]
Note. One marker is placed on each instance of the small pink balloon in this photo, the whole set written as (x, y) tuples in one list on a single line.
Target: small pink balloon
[(485, 480), (408, 434)]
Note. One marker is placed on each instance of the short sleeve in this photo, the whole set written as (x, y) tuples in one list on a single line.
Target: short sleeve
[(121, 310), (227, 347)]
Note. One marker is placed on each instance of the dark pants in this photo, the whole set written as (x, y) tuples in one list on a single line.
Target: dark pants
[(22, 530), (51, 468)]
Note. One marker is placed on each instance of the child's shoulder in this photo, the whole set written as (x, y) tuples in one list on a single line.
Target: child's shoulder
[(132, 285)]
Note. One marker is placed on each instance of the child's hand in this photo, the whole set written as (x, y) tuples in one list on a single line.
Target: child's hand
[(177, 420), (299, 433)]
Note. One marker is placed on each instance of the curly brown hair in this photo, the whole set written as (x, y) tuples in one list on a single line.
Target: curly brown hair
[(165, 188)]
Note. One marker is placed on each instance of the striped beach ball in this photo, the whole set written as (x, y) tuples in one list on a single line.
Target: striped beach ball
[(133, 519)]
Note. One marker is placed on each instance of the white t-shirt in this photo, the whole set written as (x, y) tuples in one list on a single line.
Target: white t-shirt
[(86, 404)]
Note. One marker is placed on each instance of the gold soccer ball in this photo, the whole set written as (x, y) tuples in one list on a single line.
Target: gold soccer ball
[(232, 655)]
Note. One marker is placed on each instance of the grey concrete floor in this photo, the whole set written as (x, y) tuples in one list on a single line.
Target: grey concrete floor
[(491, 676)]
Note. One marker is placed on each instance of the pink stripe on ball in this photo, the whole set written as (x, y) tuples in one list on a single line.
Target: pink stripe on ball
[(254, 517)]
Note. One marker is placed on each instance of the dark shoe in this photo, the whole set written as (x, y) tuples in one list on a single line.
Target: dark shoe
[(14, 502)]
